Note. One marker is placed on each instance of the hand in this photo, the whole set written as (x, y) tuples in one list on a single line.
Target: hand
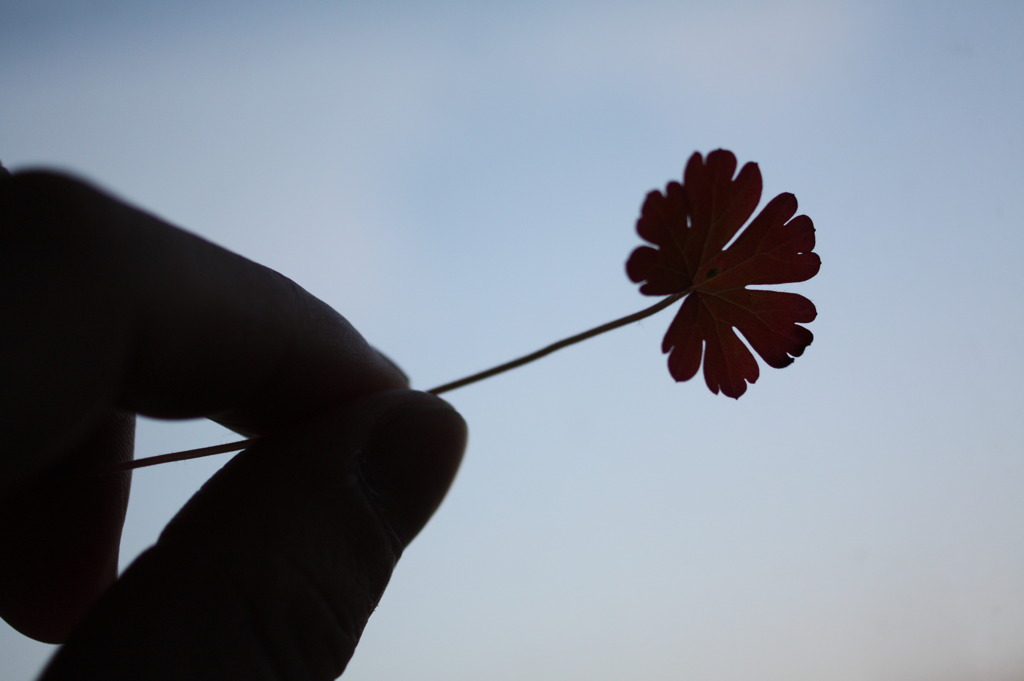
[(274, 566)]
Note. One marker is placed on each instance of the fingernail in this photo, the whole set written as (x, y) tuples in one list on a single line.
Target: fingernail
[(391, 363), (410, 462)]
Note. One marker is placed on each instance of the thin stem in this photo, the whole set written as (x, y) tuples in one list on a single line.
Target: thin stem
[(179, 456), (472, 378), (558, 345)]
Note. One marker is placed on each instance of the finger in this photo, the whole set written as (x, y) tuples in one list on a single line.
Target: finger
[(114, 306), (59, 538), (272, 569), (105, 308)]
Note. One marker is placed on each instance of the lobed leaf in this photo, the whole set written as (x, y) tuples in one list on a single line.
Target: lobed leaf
[(690, 225)]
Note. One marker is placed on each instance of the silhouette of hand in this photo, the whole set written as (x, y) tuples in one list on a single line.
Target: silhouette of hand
[(274, 566)]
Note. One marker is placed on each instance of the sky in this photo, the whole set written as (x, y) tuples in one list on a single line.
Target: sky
[(461, 180)]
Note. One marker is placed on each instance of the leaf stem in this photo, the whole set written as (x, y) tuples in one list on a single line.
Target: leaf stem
[(179, 456), (472, 378), (558, 345)]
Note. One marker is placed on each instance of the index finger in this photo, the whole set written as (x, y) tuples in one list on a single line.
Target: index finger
[(113, 306)]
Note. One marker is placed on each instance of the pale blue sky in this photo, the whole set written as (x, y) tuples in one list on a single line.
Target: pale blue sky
[(462, 180)]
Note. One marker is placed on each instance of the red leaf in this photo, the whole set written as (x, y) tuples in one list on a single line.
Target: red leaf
[(690, 225)]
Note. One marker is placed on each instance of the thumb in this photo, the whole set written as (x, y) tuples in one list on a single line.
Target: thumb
[(273, 568)]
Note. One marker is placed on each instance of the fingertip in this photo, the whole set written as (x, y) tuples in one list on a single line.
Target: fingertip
[(411, 460)]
